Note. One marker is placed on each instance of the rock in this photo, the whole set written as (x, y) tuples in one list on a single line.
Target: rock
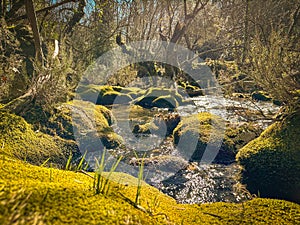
[(170, 121), (193, 134), (167, 101), (163, 125), (113, 97), (193, 91), (107, 95), (93, 122), (89, 121), (271, 163), (260, 96), (160, 98), (146, 128)]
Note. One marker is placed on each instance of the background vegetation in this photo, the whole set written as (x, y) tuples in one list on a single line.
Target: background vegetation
[(262, 37)]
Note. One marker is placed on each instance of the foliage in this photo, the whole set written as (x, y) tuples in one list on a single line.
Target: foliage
[(11, 65), (56, 80), (275, 66), (101, 182)]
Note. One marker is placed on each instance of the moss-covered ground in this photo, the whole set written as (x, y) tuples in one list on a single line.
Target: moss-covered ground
[(37, 195), (19, 140)]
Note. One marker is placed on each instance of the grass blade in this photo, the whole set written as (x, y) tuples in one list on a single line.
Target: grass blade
[(79, 167)]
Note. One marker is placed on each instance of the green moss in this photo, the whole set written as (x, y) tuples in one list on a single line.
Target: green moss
[(242, 134), (193, 91), (113, 97), (271, 163), (36, 147), (50, 196)]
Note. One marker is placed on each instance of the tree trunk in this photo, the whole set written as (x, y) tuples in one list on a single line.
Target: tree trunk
[(246, 33), (36, 35)]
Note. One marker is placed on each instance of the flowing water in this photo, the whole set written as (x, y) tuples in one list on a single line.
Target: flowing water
[(188, 182)]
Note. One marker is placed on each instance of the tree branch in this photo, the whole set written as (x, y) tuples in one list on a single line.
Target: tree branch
[(41, 10)]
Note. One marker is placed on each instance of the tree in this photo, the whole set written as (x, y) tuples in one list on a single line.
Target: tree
[(47, 71)]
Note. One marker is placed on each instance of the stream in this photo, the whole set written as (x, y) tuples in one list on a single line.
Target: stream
[(165, 169), (189, 182)]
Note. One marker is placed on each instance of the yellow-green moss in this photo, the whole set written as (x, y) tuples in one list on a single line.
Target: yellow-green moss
[(207, 128), (21, 140), (18, 139), (271, 163), (50, 196), (62, 121), (113, 97)]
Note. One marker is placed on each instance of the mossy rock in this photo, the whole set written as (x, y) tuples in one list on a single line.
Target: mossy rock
[(113, 97), (242, 134), (170, 121), (162, 125), (193, 134), (260, 96), (193, 91), (161, 98), (82, 117), (37, 195), (108, 95), (167, 101), (133, 92), (271, 163), (146, 128), (18, 138), (92, 122), (189, 89)]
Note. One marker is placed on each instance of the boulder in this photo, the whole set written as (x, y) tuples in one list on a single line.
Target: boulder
[(271, 163), (113, 97), (260, 96), (107, 95), (160, 98), (194, 132)]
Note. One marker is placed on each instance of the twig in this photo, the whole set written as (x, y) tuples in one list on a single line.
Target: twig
[(85, 173), (139, 207), (214, 215)]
